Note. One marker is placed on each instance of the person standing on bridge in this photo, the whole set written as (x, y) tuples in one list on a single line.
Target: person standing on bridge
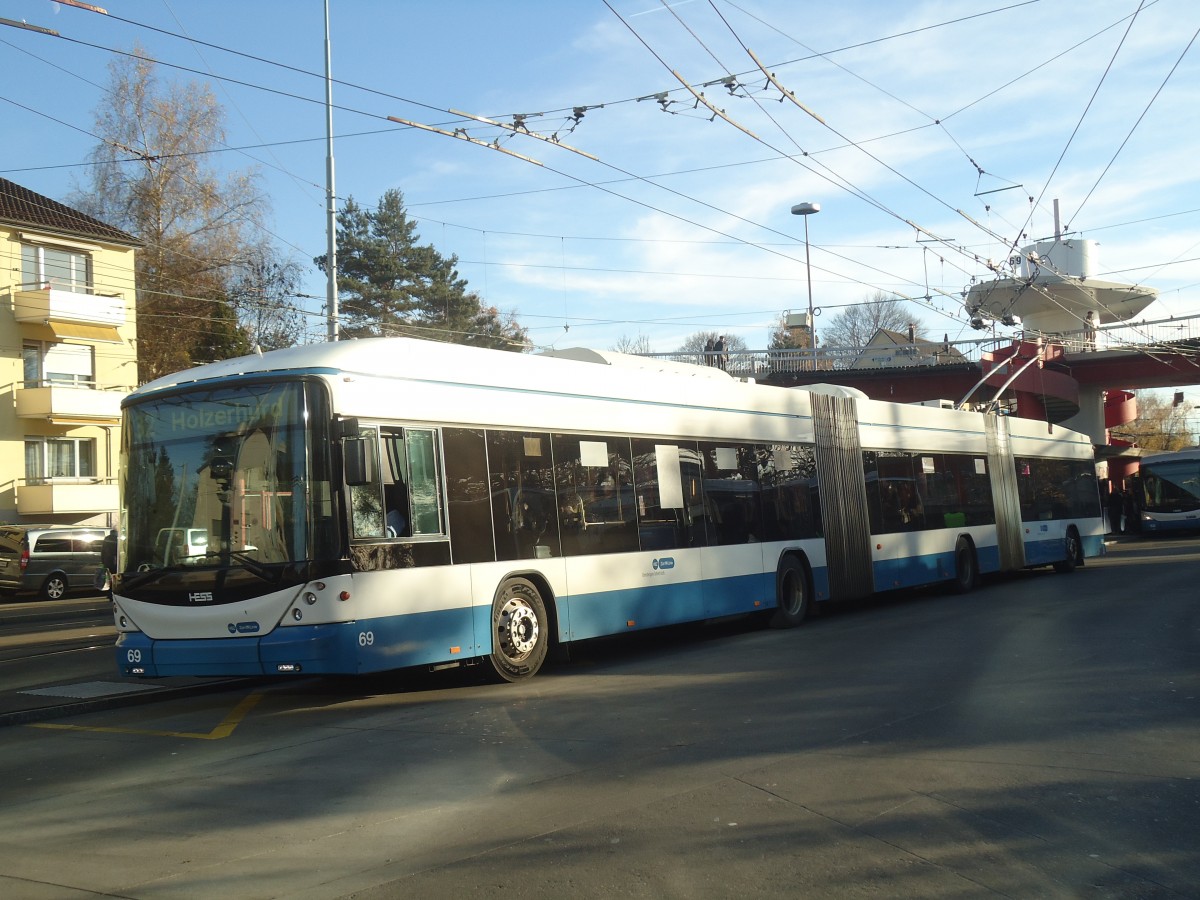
[(1089, 332)]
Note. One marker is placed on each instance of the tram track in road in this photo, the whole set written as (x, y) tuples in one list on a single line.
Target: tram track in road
[(59, 646)]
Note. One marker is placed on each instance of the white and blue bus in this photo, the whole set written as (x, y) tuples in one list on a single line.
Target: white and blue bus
[(1167, 492), (371, 505)]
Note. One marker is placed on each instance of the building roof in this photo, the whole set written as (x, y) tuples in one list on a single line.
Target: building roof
[(21, 206)]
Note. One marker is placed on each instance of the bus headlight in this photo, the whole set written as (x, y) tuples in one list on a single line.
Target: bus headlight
[(297, 613), (310, 598)]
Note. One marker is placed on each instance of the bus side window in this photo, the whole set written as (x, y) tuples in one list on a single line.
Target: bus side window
[(396, 506), (667, 479), (732, 493), (788, 478), (469, 510), (366, 499), (524, 503), (871, 474), (594, 483), (424, 481)]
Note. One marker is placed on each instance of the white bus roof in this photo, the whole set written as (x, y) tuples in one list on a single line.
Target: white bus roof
[(513, 390)]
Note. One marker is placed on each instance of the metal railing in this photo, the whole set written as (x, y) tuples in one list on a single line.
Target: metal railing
[(1158, 334)]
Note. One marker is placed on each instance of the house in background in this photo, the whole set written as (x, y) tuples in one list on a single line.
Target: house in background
[(889, 349), (67, 359)]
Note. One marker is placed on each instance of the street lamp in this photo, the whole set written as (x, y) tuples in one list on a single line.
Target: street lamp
[(805, 210)]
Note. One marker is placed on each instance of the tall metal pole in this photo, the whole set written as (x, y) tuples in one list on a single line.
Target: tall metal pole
[(804, 210), (812, 322), (331, 292)]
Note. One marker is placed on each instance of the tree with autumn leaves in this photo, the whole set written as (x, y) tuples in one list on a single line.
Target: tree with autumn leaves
[(209, 283)]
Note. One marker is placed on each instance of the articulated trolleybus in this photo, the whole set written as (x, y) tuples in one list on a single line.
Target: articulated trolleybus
[(370, 505)]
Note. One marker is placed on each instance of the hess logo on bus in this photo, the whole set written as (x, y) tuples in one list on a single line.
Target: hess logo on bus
[(666, 562)]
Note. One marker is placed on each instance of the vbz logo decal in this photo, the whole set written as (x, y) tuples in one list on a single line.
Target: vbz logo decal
[(666, 562)]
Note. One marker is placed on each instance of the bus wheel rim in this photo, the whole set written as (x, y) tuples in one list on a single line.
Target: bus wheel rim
[(518, 628)]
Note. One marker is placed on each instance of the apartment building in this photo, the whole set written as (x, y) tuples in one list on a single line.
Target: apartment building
[(67, 359)]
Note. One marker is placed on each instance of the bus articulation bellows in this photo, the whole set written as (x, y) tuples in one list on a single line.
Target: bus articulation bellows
[(371, 505)]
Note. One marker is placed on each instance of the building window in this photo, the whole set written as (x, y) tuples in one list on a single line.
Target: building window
[(56, 267), (47, 459), (48, 364)]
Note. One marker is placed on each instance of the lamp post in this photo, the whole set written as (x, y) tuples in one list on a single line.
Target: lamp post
[(805, 210)]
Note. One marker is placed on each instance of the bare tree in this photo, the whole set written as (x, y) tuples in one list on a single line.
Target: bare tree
[(696, 343), (712, 348), (152, 176), (263, 293), (856, 325), (636, 346)]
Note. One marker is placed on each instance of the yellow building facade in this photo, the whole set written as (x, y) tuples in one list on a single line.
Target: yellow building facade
[(67, 359)]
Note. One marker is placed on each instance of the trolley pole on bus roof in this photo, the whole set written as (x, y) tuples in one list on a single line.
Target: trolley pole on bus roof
[(331, 292)]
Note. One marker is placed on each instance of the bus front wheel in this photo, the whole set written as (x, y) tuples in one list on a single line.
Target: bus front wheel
[(792, 594), (520, 631)]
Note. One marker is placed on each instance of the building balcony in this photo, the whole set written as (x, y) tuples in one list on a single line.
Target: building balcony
[(71, 314), (75, 497), (70, 405)]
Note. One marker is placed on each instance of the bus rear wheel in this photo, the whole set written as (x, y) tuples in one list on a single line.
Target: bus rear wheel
[(966, 568), (792, 595), (520, 631), (1074, 553)]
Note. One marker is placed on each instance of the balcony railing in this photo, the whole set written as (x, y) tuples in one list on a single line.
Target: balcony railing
[(51, 304), (74, 402), (63, 496), (1159, 335)]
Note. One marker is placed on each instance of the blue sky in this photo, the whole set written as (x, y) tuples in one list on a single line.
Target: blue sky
[(942, 118)]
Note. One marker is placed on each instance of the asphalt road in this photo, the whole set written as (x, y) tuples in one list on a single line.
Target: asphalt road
[(1039, 737), (57, 659)]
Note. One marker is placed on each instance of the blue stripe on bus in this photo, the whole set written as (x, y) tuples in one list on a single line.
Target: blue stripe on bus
[(632, 609), (370, 645), (912, 571), (1171, 525), (1042, 553)]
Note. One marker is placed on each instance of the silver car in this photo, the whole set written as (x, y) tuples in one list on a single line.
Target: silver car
[(48, 560)]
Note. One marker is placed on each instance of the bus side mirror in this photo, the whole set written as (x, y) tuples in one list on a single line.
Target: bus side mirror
[(359, 461)]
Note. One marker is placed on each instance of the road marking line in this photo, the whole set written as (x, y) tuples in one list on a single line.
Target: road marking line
[(223, 730)]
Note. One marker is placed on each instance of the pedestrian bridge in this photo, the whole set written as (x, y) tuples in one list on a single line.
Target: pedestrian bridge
[(1151, 353)]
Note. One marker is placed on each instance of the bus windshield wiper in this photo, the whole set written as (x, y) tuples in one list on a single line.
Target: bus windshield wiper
[(130, 580), (252, 565)]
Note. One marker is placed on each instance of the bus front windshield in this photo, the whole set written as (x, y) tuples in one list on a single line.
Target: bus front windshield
[(219, 478), (1172, 486)]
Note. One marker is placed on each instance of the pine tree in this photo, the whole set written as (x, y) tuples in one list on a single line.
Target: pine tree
[(391, 285)]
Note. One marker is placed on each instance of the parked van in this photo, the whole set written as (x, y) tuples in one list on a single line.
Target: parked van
[(48, 559), (174, 545)]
